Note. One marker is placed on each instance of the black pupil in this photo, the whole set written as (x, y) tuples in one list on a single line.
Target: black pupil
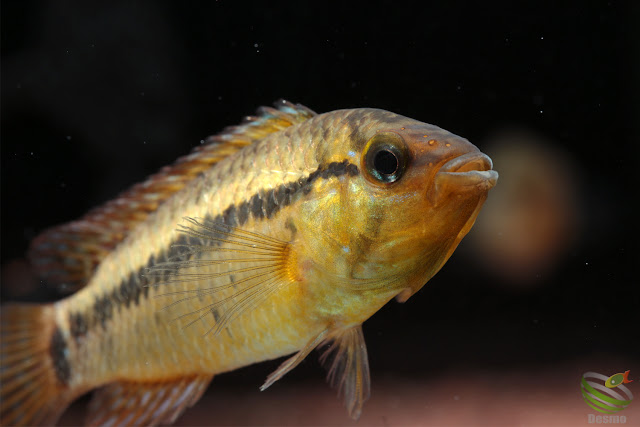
[(385, 162)]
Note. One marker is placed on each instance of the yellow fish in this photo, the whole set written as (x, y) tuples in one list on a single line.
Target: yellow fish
[(274, 237)]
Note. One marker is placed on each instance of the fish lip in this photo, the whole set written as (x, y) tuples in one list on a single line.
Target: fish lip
[(468, 172), (469, 161)]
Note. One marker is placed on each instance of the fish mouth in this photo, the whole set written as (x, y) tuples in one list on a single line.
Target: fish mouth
[(471, 172)]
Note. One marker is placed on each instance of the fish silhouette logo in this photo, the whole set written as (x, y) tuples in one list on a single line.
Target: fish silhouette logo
[(606, 394)]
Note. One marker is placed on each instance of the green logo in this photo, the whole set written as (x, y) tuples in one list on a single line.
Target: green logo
[(606, 394)]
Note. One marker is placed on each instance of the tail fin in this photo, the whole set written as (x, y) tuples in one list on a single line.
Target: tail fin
[(33, 378)]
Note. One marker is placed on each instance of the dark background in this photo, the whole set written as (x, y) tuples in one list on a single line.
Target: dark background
[(97, 96)]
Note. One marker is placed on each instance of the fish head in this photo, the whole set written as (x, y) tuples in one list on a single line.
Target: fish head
[(418, 193), (449, 178)]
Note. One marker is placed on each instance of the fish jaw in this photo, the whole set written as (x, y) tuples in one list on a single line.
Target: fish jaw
[(468, 173), (454, 199)]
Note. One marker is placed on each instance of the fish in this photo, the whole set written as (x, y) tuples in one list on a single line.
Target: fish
[(272, 238), (616, 379)]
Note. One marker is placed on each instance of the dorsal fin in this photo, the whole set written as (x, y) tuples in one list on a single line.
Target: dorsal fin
[(66, 256)]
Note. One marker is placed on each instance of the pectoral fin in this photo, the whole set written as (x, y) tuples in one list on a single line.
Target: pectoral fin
[(348, 365)]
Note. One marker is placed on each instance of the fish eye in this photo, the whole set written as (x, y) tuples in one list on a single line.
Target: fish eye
[(385, 162), (385, 158)]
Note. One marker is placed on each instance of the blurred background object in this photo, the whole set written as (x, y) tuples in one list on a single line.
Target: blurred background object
[(534, 218)]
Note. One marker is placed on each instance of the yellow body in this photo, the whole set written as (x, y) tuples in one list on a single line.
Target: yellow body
[(311, 266)]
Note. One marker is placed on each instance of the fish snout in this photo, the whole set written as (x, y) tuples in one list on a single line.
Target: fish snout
[(470, 172)]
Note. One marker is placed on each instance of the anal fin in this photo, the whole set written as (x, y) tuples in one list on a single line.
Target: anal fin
[(145, 403)]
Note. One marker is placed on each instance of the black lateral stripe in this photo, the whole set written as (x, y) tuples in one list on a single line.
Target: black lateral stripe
[(58, 351), (263, 204), (129, 292), (78, 325)]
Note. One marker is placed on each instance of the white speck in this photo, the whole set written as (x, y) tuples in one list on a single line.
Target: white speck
[(346, 249), (202, 141), (541, 38), (586, 263), (144, 142), (351, 153), (540, 111), (255, 45), (32, 153), (459, 87)]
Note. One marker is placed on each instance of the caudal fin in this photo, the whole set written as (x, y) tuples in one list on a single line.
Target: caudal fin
[(34, 369)]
